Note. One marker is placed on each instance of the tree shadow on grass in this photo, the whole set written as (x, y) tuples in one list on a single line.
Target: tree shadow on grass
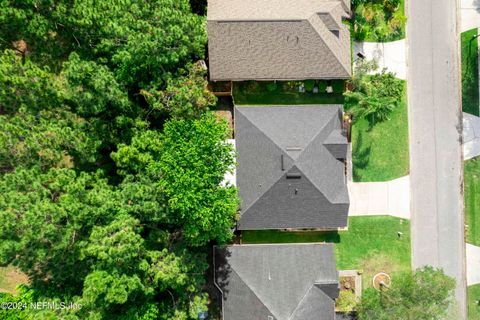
[(360, 156), (290, 236)]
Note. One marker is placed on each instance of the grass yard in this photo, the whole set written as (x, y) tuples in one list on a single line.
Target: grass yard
[(473, 306), (472, 200), (470, 94), (371, 244), (283, 93), (10, 278), (380, 153)]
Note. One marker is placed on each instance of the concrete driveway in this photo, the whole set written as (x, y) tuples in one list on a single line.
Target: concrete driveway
[(390, 55), (380, 198)]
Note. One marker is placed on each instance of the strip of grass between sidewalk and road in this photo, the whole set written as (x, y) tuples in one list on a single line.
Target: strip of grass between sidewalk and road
[(473, 302), (470, 81), (472, 200)]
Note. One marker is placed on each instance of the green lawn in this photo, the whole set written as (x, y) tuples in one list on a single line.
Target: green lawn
[(470, 94), (285, 93), (473, 306), (472, 200), (380, 153), (371, 244)]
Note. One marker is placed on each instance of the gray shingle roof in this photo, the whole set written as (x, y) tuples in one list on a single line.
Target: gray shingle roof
[(278, 39), (289, 174), (286, 282)]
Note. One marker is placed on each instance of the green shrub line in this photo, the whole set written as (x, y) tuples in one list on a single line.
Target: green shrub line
[(287, 92)]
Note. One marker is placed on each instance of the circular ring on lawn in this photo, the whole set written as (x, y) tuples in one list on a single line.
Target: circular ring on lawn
[(381, 281)]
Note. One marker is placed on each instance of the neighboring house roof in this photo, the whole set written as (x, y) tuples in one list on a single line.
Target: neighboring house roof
[(277, 282), (278, 39), (290, 172)]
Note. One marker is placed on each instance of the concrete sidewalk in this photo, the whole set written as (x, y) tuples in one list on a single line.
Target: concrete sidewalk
[(380, 198), (389, 55), (471, 136), (473, 264), (470, 14)]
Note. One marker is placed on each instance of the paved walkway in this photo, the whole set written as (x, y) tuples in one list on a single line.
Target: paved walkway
[(390, 55), (390, 198), (471, 136), (380, 198), (470, 14), (473, 264)]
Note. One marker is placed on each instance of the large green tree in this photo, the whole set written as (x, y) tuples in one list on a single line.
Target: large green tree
[(80, 240), (141, 41), (111, 167), (425, 294), (37, 125), (184, 97), (188, 162), (141, 243)]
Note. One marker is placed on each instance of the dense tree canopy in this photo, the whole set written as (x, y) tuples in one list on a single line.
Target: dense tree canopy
[(379, 20), (140, 41), (111, 165)]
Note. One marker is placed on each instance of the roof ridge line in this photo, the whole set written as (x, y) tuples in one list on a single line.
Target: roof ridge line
[(332, 50), (320, 130), (278, 147), (270, 187), (333, 201), (251, 290), (300, 302)]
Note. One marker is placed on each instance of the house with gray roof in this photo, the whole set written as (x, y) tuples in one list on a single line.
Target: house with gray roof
[(277, 282), (278, 39), (291, 167)]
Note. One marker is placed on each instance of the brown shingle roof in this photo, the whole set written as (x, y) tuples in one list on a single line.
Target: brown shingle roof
[(262, 10), (278, 40)]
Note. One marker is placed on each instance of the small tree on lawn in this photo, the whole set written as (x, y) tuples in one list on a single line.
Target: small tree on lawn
[(373, 96), (425, 294)]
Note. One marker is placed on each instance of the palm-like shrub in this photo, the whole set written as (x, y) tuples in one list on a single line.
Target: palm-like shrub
[(373, 96)]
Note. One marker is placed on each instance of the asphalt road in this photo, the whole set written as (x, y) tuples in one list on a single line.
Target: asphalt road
[(436, 159)]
